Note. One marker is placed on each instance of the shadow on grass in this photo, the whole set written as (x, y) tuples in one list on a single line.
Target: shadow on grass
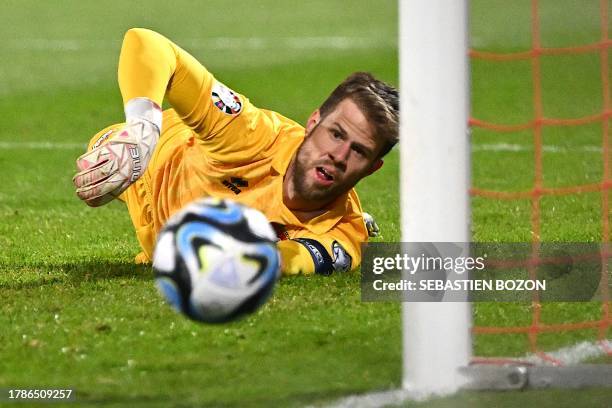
[(73, 273)]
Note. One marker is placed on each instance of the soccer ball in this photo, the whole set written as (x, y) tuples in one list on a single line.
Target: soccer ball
[(216, 260)]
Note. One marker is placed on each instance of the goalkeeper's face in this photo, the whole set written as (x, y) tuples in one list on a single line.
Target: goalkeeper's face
[(339, 150)]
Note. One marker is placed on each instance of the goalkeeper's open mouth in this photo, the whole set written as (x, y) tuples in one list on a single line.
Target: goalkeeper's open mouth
[(324, 176)]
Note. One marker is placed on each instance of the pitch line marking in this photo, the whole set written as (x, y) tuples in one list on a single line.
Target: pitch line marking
[(572, 355), (214, 43), (41, 146), (496, 147), (510, 147)]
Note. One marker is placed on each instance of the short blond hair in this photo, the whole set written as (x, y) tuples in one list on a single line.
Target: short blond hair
[(378, 101)]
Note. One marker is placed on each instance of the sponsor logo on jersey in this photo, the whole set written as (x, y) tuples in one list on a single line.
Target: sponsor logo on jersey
[(235, 183), (341, 260), (225, 99)]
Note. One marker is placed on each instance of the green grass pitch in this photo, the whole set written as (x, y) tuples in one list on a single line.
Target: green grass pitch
[(75, 311)]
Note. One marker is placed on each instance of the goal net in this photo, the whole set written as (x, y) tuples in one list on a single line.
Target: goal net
[(559, 140), (539, 80)]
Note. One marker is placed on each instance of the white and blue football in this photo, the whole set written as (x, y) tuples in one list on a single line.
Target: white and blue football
[(216, 260)]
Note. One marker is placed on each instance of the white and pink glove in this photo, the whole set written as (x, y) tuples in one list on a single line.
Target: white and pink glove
[(107, 170)]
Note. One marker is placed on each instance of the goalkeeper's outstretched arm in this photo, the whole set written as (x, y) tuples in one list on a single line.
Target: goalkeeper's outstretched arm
[(150, 67)]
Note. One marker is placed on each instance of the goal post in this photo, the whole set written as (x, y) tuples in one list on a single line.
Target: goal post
[(435, 187), (434, 179)]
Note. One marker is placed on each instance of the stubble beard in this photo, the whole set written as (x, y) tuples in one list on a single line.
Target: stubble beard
[(303, 190)]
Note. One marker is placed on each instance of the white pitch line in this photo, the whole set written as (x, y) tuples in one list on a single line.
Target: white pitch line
[(213, 43), (497, 147), (568, 356), (41, 146), (573, 355), (509, 147)]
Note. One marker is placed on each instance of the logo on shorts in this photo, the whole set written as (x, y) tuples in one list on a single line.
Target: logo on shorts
[(341, 260), (225, 99)]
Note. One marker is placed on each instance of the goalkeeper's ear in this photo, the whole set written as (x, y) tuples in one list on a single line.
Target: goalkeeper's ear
[(313, 120)]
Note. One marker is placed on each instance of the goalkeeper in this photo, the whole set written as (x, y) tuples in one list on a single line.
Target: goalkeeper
[(215, 142)]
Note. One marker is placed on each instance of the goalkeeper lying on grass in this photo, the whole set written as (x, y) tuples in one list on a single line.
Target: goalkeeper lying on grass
[(215, 142)]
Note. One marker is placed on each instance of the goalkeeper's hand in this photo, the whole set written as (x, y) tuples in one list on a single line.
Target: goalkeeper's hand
[(107, 170), (371, 225)]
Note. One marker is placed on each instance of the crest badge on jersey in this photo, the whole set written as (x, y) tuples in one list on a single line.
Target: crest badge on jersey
[(225, 99)]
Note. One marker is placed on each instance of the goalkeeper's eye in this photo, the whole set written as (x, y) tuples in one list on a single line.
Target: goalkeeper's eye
[(359, 150), (336, 134)]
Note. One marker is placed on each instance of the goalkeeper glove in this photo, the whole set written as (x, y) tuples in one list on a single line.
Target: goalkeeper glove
[(371, 225), (107, 170), (111, 167)]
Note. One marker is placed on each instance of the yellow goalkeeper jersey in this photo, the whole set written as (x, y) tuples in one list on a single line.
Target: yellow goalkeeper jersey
[(216, 142)]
